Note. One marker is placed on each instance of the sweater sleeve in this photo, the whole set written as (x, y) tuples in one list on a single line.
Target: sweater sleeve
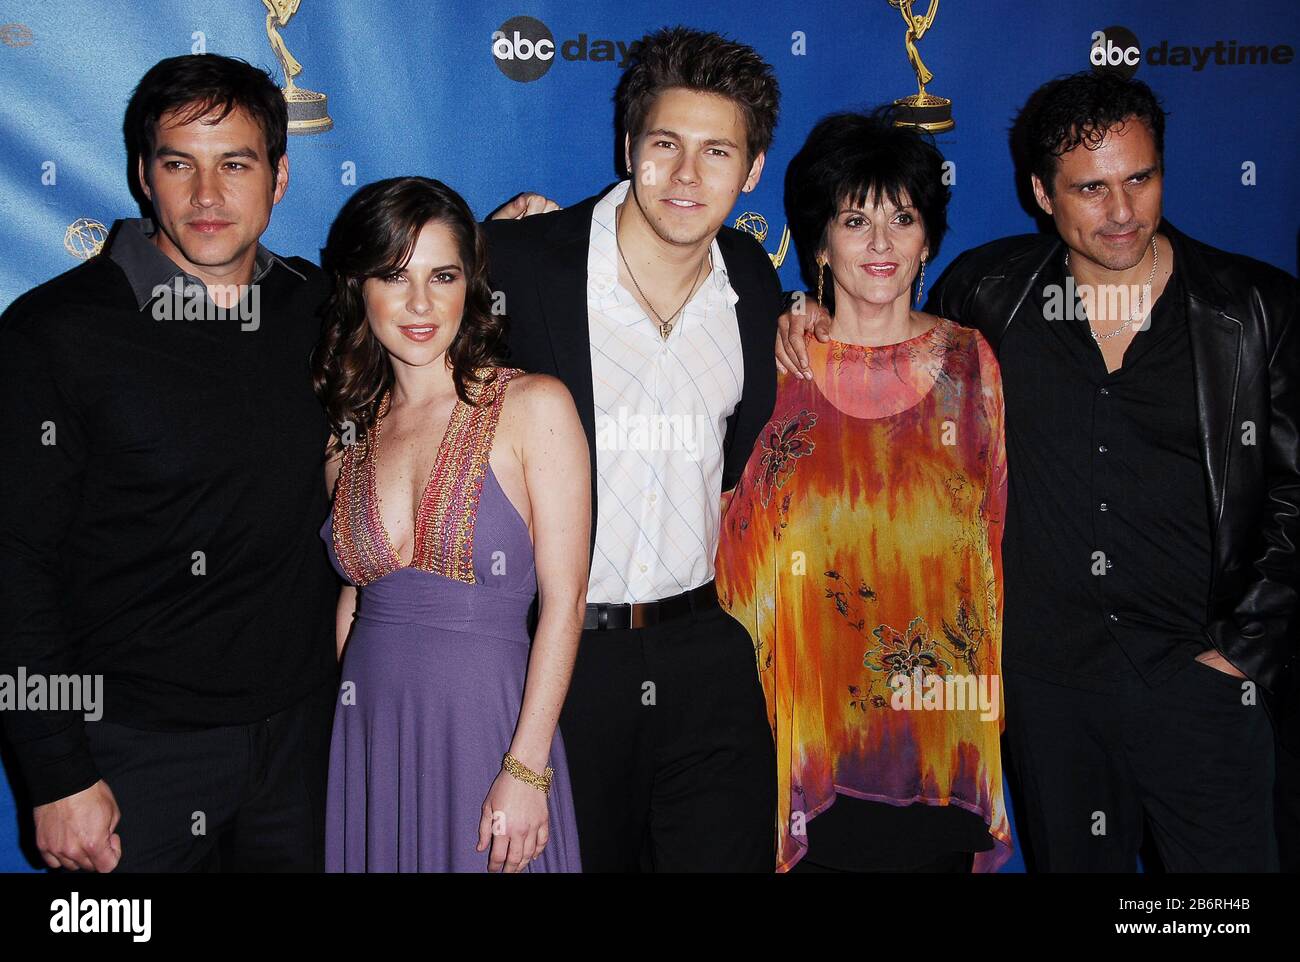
[(46, 451)]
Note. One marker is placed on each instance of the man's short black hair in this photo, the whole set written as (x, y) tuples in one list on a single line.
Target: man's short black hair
[(851, 157), (196, 84), (1078, 109)]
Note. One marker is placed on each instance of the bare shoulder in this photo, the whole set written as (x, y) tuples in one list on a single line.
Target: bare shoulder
[(540, 396)]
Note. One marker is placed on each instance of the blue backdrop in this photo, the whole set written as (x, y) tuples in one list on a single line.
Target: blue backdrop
[(414, 87)]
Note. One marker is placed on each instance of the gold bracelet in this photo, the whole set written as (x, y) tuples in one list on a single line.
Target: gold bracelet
[(540, 782)]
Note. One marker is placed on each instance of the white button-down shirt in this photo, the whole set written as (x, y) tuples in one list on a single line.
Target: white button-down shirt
[(661, 410)]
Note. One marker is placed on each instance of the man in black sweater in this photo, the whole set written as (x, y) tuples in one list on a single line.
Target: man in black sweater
[(159, 509)]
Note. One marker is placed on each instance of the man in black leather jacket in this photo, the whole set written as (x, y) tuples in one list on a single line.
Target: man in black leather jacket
[(1201, 773), (1152, 388)]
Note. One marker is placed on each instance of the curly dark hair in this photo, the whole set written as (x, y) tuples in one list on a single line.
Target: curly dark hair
[(373, 236), (850, 157), (707, 62), (1078, 109)]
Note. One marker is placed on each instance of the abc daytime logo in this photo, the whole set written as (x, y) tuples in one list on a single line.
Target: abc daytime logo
[(524, 48), (1115, 50)]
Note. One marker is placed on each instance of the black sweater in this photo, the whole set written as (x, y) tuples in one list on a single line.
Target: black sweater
[(168, 538)]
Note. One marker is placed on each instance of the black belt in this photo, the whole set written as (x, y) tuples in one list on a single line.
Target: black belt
[(643, 614)]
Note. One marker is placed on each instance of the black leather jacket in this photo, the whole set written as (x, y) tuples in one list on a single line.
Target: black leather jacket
[(1241, 317)]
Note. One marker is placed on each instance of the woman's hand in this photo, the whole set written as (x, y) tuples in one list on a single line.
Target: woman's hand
[(514, 822)]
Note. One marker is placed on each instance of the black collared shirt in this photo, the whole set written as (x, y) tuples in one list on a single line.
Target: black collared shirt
[(1108, 550), (160, 498)]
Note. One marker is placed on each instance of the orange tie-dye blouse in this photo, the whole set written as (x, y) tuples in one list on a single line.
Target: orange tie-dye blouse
[(862, 549)]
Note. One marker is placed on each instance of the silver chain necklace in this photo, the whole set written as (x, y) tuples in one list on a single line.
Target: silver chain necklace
[(1155, 262), (665, 327)]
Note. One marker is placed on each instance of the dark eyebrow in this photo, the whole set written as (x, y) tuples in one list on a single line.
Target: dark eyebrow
[(432, 270), (711, 142), (862, 210), (247, 153), (1137, 173)]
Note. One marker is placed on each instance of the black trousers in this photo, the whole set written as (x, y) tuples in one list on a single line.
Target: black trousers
[(239, 798), (1186, 760), (1286, 797), (858, 835), (669, 750)]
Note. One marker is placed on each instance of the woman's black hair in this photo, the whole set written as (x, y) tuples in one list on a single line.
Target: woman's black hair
[(850, 158)]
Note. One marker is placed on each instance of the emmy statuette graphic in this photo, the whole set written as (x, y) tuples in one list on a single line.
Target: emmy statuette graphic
[(922, 109), (308, 109)]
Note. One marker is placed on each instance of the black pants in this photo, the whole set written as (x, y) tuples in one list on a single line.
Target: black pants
[(1286, 797), (857, 835), (1286, 727), (241, 798), (1186, 759), (669, 750)]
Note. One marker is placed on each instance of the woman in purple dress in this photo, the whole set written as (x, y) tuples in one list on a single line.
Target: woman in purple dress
[(460, 491)]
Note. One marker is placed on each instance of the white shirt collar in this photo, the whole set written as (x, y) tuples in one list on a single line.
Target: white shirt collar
[(603, 256)]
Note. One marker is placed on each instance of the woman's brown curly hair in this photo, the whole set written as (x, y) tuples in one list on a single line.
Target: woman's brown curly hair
[(373, 236)]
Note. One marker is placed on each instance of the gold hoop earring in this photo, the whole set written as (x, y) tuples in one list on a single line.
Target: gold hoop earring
[(920, 286), (821, 280)]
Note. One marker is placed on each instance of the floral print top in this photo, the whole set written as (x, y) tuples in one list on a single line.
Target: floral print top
[(862, 551)]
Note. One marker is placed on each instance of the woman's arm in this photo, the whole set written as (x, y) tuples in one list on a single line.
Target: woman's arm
[(553, 455), (343, 618), (347, 604), (557, 474)]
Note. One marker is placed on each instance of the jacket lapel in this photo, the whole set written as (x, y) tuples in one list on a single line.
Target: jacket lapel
[(562, 294), (1215, 338), (757, 334)]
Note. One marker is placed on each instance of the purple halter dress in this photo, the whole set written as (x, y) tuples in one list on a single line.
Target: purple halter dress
[(433, 673)]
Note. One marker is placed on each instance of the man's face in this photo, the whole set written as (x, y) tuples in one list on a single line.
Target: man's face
[(212, 191), (1107, 200), (689, 165)]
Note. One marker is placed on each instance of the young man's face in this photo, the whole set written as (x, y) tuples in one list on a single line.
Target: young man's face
[(212, 190), (689, 165), (1106, 202)]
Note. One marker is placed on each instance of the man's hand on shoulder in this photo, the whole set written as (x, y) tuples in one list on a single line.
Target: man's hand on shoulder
[(523, 205), (803, 314)]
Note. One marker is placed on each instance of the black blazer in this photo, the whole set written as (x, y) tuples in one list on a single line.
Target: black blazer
[(1241, 320), (540, 264)]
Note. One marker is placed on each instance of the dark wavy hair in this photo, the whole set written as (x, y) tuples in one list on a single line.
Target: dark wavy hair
[(706, 62), (373, 236), (850, 157), (194, 84), (1078, 109)]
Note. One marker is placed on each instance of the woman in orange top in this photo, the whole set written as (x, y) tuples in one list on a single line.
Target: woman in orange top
[(862, 547)]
